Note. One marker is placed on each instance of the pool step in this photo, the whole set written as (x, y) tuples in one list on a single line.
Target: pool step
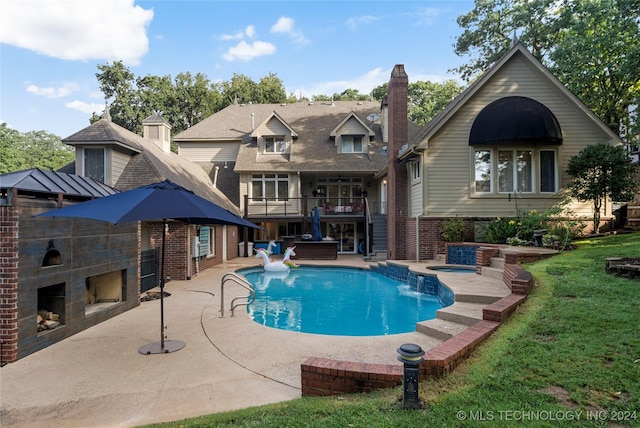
[(477, 298), (492, 272), (440, 329), (462, 312)]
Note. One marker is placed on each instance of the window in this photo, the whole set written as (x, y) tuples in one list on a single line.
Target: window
[(270, 186), (414, 170), (515, 170), (548, 171), (94, 161), (482, 171), (212, 241), (352, 144), (339, 191), (207, 238), (275, 144)]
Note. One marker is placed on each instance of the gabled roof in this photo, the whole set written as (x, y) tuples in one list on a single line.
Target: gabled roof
[(51, 182), (314, 150), (275, 115), (352, 115), (150, 164), (421, 140)]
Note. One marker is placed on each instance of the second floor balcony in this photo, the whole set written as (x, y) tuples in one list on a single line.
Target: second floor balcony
[(301, 207)]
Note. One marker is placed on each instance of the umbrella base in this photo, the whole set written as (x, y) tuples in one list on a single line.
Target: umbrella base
[(157, 348)]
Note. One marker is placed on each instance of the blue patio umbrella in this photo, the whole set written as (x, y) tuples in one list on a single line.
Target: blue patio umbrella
[(159, 201), (317, 233)]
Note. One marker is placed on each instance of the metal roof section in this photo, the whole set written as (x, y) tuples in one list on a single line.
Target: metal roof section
[(54, 183)]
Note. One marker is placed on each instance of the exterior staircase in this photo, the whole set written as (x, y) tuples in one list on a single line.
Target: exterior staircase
[(379, 237)]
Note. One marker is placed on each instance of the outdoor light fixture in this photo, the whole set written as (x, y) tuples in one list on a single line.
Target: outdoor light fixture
[(410, 355)]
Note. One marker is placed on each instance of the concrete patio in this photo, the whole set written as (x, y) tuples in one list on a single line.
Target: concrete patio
[(98, 378)]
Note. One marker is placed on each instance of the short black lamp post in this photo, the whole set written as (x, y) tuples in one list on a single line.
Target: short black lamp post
[(410, 355)]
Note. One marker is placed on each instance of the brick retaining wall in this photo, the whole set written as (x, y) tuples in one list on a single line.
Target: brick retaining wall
[(323, 376)]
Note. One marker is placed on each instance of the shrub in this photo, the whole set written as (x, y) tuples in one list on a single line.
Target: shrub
[(453, 229)]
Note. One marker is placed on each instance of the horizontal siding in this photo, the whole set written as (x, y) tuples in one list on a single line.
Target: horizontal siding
[(352, 127), (449, 158), (209, 151), (274, 127), (119, 162), (415, 199)]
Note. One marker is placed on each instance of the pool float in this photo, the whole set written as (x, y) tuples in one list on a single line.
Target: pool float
[(277, 266)]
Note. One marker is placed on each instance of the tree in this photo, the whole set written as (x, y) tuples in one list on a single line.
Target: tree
[(239, 90), (183, 101), (598, 58), (271, 90), (34, 149), (427, 99), (602, 172), (592, 46)]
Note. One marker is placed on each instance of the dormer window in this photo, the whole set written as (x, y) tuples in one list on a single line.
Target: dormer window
[(352, 144), (275, 144)]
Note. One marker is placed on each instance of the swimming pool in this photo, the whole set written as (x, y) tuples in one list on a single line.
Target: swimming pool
[(337, 301)]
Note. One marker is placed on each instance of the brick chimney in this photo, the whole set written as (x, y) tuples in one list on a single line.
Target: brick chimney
[(158, 130), (398, 131)]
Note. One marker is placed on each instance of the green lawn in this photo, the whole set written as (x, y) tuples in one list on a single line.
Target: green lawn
[(569, 356)]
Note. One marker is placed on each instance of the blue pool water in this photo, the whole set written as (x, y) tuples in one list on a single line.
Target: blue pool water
[(337, 301)]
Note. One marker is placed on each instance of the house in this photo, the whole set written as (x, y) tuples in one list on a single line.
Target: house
[(113, 155), (289, 159), (59, 276), (500, 147)]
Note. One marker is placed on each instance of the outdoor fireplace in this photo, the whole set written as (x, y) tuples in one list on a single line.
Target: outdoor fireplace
[(105, 290), (51, 307)]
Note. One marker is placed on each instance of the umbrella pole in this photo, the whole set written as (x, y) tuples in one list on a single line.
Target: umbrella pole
[(162, 347), (164, 235)]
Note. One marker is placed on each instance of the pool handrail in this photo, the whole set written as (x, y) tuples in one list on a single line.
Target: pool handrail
[(241, 281)]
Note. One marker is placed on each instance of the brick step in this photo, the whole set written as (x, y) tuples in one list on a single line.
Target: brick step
[(462, 312), (440, 329)]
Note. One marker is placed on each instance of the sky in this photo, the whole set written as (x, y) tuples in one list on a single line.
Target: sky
[(50, 49)]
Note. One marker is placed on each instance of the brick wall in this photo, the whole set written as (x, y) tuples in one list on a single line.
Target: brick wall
[(397, 206), (9, 264), (322, 376)]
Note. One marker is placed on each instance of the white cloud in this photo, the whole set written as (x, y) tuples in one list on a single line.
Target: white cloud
[(363, 83), (250, 32), (83, 107), (244, 51), (354, 23), (77, 29), (53, 92), (286, 25)]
